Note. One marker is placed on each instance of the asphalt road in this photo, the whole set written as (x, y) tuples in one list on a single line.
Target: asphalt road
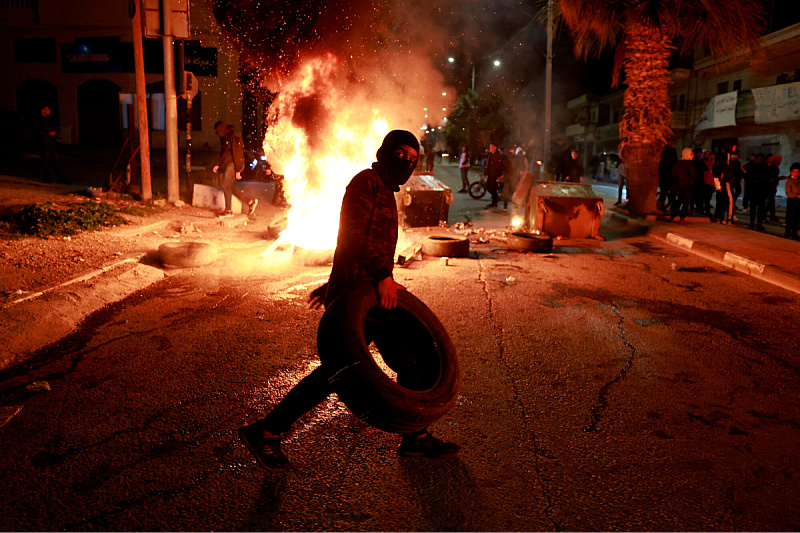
[(617, 385)]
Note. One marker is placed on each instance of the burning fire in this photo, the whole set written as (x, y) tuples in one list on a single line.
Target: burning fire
[(319, 139)]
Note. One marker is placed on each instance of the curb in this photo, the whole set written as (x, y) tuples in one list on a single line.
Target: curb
[(39, 319), (770, 273)]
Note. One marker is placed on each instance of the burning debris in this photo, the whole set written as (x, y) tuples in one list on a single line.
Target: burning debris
[(340, 88)]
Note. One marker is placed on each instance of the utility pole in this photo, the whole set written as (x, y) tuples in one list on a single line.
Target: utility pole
[(548, 87), (141, 99), (171, 101)]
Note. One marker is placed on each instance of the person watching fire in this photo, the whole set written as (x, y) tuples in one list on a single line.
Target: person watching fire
[(365, 248)]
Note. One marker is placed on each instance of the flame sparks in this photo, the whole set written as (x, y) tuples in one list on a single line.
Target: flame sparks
[(319, 139)]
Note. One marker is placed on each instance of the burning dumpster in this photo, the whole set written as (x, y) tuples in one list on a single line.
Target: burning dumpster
[(423, 201), (565, 209)]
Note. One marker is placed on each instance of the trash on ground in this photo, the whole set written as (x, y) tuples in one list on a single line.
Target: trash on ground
[(7, 412), (38, 386)]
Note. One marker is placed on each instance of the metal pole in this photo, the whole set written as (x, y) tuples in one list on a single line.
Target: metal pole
[(141, 103), (548, 87), (171, 100)]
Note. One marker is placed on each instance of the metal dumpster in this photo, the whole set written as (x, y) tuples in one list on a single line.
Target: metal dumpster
[(565, 209), (423, 201)]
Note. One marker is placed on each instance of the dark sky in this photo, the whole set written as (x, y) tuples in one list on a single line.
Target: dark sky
[(272, 36)]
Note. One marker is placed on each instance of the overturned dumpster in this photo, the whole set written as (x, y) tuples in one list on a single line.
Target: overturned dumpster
[(423, 201), (570, 210)]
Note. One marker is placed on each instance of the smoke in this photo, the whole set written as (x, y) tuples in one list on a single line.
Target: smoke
[(385, 55)]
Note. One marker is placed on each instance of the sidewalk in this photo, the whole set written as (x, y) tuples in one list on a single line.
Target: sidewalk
[(764, 255)]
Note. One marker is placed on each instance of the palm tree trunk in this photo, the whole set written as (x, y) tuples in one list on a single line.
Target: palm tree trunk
[(645, 125)]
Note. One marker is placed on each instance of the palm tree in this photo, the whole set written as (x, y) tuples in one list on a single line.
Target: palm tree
[(644, 34)]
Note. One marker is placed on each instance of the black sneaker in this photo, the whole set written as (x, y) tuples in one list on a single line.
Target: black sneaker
[(267, 451), (426, 445)]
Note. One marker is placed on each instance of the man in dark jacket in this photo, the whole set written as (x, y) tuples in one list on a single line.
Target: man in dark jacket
[(756, 189), (496, 166), (364, 252), (47, 131), (573, 170), (684, 176), (669, 156), (231, 162)]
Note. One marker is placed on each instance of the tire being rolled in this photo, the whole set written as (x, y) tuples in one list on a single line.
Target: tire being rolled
[(445, 246), (411, 341)]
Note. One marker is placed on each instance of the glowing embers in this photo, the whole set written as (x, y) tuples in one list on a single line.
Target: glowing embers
[(319, 137)]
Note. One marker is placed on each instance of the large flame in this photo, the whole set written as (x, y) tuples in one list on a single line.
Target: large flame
[(319, 140)]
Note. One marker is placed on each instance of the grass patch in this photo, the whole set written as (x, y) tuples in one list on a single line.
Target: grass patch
[(47, 219)]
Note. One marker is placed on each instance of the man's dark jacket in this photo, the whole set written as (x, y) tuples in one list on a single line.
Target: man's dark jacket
[(367, 233)]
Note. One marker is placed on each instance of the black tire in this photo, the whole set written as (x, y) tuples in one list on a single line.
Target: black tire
[(187, 254), (477, 190), (445, 246), (411, 341), (529, 242)]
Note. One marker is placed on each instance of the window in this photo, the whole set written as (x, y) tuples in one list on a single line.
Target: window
[(737, 85), (722, 88)]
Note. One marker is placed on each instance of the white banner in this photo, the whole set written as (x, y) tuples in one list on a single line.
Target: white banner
[(777, 103), (720, 112)]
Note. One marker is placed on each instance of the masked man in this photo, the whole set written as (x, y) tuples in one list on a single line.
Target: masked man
[(364, 252)]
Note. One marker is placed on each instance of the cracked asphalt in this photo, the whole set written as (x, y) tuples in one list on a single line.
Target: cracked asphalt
[(618, 385)]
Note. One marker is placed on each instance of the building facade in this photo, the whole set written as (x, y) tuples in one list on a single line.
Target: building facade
[(76, 56), (750, 99)]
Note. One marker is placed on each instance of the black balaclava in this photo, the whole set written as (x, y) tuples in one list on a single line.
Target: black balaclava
[(398, 170)]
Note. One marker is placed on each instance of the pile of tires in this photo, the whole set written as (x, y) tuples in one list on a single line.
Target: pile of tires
[(412, 343), (446, 246), (529, 242)]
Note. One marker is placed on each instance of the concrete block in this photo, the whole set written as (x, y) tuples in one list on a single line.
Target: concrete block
[(213, 198)]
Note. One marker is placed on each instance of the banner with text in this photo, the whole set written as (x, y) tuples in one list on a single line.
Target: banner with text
[(777, 103), (720, 112)]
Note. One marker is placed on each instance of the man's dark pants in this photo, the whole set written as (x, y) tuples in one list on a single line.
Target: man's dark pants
[(464, 178)]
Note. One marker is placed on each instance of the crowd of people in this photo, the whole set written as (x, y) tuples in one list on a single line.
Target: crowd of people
[(689, 185), (699, 182)]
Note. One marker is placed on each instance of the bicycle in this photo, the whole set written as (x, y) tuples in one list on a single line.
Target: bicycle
[(477, 189)]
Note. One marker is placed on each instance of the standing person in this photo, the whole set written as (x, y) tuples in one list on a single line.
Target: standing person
[(756, 172), (773, 180), (684, 176), (519, 167), (463, 167), (429, 156), (47, 132), (364, 252), (623, 178), (573, 170), (708, 183), (557, 160), (724, 195), (698, 203), (793, 203), (669, 156), (493, 171), (732, 173), (231, 161)]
